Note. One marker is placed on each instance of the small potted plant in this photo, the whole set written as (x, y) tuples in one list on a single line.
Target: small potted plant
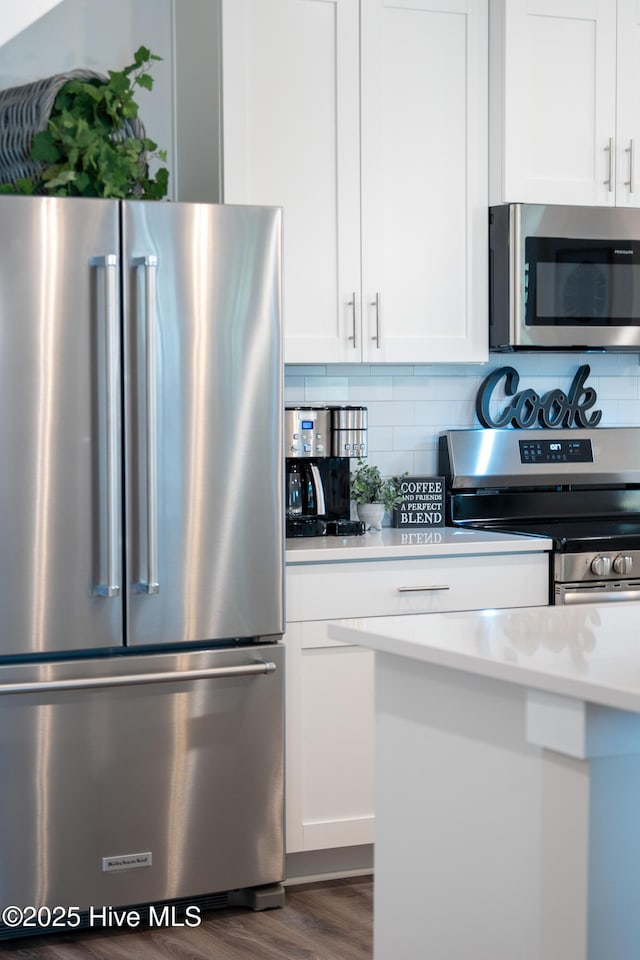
[(373, 495)]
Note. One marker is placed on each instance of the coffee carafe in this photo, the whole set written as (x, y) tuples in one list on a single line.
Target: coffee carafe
[(317, 492), (305, 490)]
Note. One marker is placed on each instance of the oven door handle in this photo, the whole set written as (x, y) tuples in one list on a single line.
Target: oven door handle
[(596, 593)]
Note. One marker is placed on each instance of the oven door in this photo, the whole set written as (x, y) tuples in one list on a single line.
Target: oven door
[(596, 592)]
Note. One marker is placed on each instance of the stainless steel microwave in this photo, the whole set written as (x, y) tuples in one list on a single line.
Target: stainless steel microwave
[(564, 278)]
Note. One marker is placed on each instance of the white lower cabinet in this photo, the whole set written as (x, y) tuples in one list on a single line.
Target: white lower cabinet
[(329, 687), (329, 740)]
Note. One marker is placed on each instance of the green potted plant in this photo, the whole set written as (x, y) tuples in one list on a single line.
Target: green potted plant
[(93, 144), (372, 494)]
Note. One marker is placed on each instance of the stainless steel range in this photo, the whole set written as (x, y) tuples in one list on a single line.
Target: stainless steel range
[(581, 488)]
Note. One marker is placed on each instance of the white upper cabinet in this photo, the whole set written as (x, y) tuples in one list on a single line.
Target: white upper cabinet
[(424, 180), (290, 138), (628, 112), (366, 121), (564, 124)]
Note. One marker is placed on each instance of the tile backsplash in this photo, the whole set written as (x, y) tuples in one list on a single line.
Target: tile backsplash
[(410, 405)]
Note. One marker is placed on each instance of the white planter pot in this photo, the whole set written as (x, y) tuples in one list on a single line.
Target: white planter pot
[(371, 514)]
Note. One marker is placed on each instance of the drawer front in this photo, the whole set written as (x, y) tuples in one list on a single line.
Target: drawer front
[(326, 591)]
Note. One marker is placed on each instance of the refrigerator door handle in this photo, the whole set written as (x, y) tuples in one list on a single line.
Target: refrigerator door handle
[(256, 668), (112, 352), (149, 265)]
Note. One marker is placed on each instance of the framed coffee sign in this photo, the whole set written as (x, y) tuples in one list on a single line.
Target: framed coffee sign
[(422, 503)]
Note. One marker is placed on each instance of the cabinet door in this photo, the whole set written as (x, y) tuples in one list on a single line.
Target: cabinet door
[(628, 139), (330, 740), (553, 69), (291, 139), (424, 172)]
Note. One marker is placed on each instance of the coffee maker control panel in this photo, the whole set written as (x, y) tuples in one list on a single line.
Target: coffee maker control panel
[(307, 432), (306, 443)]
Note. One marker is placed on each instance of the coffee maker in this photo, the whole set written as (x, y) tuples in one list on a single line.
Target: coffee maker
[(319, 443)]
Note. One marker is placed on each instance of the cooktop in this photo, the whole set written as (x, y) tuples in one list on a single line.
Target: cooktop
[(601, 533)]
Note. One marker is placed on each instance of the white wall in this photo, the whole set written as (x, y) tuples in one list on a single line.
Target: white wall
[(18, 16), (409, 406)]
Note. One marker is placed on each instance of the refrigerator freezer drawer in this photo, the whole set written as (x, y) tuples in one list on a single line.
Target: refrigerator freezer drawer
[(123, 784)]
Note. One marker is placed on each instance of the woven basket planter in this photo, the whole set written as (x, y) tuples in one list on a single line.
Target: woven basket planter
[(25, 110)]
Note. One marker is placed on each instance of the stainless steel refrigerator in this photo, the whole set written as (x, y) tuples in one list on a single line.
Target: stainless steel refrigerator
[(141, 554)]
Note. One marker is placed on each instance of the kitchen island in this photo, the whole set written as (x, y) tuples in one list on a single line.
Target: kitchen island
[(507, 783)]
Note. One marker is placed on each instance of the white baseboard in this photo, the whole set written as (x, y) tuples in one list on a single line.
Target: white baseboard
[(333, 864)]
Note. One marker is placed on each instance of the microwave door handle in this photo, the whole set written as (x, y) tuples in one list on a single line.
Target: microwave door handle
[(631, 181), (317, 483)]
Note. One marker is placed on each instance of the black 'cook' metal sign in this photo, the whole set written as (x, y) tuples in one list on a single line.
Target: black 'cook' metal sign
[(527, 408)]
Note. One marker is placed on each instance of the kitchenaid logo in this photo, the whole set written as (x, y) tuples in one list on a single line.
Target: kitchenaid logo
[(527, 408), (127, 861)]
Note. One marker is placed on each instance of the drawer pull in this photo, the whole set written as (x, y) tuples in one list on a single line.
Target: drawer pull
[(434, 586)]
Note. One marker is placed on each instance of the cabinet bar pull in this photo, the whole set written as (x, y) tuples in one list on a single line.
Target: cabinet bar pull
[(352, 303), (376, 303), (433, 586), (609, 148), (630, 182)]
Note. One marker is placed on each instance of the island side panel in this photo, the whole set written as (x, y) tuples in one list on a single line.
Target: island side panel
[(614, 855), (458, 852)]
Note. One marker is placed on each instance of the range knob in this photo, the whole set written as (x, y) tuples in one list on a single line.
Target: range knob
[(623, 564), (601, 566)]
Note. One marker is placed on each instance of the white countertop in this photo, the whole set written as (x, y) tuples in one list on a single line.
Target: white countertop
[(392, 542), (590, 652)]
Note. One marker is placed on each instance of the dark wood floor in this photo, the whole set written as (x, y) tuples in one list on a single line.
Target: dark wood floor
[(320, 921)]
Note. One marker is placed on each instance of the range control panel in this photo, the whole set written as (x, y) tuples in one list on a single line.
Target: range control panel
[(556, 451), (616, 565)]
